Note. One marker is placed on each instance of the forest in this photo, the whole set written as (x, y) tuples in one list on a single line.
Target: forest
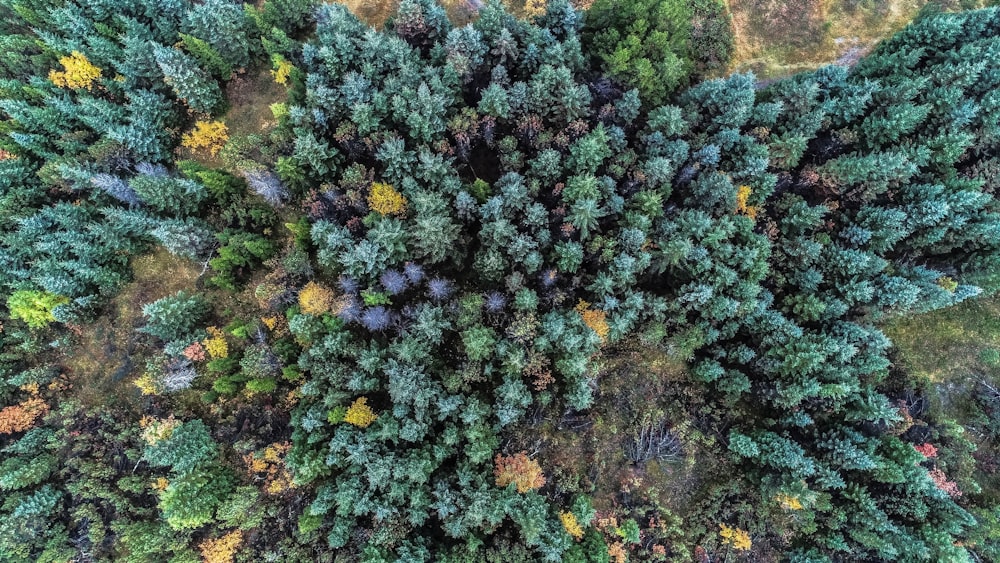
[(543, 283)]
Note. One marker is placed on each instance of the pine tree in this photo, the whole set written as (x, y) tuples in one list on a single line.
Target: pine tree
[(223, 25), (191, 84), (188, 238), (174, 318)]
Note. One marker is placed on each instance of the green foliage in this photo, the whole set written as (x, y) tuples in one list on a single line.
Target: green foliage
[(142, 541), (242, 509), (760, 234), (207, 56), (172, 196), (188, 238), (223, 25), (19, 473), (191, 499), (188, 446), (73, 251), (192, 84), (239, 253), (290, 16), (34, 307), (628, 531), (197, 485), (656, 45), (176, 317)]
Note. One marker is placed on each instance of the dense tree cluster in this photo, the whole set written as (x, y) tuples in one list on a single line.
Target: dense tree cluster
[(446, 230), (761, 232)]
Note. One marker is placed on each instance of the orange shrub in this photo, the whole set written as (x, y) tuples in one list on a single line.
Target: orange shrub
[(270, 466), (195, 352), (941, 482), (17, 418), (520, 470), (617, 553), (221, 550)]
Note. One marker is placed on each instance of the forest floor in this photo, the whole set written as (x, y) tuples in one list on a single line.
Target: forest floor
[(109, 352), (951, 349), (949, 353), (637, 389), (250, 96)]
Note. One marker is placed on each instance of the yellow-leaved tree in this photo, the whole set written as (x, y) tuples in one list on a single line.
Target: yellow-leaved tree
[(79, 72), (595, 319), (534, 8), (216, 344), (315, 299), (742, 200), (384, 199), (571, 525), (739, 539), (221, 550), (788, 502), (360, 414), (282, 69), (210, 135)]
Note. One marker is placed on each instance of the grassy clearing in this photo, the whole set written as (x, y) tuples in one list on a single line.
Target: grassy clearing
[(107, 353), (250, 96), (777, 38), (950, 353), (585, 451), (950, 344)]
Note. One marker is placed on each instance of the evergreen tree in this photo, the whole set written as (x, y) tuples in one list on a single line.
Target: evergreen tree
[(192, 84), (175, 317)]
